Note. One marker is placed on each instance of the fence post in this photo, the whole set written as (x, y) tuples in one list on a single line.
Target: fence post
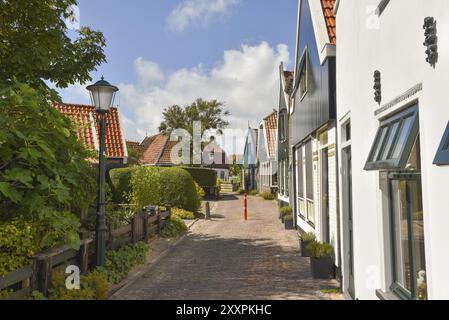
[(41, 274), (169, 214), (159, 221), (134, 231), (83, 257), (146, 235)]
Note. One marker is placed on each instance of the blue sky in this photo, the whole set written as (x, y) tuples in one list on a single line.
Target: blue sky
[(162, 52)]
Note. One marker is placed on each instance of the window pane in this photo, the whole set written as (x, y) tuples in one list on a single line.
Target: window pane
[(403, 136), (401, 242), (391, 137), (309, 171), (419, 256), (300, 174), (379, 143), (311, 212)]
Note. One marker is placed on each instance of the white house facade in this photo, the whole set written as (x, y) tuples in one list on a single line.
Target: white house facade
[(393, 147)]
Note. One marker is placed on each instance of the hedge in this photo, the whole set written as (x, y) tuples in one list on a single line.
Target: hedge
[(177, 187), (120, 183), (204, 177)]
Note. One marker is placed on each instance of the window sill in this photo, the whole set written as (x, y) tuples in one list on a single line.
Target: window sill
[(382, 295)]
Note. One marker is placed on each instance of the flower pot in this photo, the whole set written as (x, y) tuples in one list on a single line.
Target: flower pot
[(288, 224), (304, 251), (322, 268)]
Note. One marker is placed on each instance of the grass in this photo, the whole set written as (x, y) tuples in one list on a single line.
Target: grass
[(332, 291)]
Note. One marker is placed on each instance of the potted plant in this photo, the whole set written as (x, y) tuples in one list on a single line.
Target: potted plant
[(321, 260), (285, 211), (304, 241), (288, 222)]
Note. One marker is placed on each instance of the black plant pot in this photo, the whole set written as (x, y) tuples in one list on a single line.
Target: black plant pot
[(304, 251), (322, 268), (288, 224)]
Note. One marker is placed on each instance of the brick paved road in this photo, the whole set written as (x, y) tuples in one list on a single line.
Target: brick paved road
[(227, 258)]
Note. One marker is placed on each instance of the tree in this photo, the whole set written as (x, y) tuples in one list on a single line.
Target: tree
[(211, 114), (35, 48), (44, 175)]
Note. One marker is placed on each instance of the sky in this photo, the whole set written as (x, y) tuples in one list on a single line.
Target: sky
[(165, 52)]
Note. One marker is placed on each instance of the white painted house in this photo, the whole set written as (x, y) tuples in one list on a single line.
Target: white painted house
[(267, 144), (394, 152)]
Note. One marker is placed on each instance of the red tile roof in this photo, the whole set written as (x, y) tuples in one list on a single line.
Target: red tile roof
[(271, 127), (329, 17), (289, 81), (88, 128), (153, 148)]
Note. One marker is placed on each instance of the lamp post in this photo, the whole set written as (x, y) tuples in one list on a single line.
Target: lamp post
[(102, 94)]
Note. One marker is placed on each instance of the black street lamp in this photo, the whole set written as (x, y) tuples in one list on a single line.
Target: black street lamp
[(102, 94)]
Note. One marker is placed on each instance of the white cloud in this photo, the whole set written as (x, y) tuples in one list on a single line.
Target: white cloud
[(246, 80), (197, 11)]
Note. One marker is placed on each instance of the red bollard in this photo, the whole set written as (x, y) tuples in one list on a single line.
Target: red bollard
[(246, 207)]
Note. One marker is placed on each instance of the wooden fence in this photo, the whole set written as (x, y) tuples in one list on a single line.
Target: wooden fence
[(37, 276)]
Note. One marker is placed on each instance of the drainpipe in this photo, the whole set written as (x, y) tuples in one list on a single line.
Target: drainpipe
[(337, 178)]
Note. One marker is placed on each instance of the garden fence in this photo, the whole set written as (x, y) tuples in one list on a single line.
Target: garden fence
[(37, 276)]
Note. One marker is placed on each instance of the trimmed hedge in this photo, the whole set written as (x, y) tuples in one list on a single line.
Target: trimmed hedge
[(178, 189), (204, 177), (120, 183)]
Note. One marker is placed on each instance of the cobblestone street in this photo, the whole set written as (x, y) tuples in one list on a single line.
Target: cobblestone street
[(227, 258)]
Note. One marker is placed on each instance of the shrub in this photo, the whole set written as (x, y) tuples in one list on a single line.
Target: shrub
[(5, 293), (94, 286), (320, 250), (178, 189), (119, 263), (200, 192), (182, 214), (241, 192), (120, 184), (253, 193), (121, 217), (286, 211), (204, 177), (288, 217), (174, 228), (268, 196), (146, 187), (308, 237)]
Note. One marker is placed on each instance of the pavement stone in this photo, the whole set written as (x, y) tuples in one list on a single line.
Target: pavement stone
[(230, 259)]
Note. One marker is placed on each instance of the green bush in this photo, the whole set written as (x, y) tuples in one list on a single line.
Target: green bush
[(146, 187), (288, 217), (119, 263), (320, 250), (308, 237), (268, 196), (120, 183), (204, 177), (286, 211), (94, 286), (253, 193), (174, 228), (183, 214), (119, 217), (200, 192), (178, 189)]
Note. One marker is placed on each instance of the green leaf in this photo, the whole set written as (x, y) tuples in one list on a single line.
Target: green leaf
[(21, 175), (73, 240), (4, 188)]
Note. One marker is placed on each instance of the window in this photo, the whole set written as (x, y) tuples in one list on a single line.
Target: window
[(309, 182), (222, 175), (303, 71), (442, 157), (282, 125), (407, 217), (300, 182), (394, 141)]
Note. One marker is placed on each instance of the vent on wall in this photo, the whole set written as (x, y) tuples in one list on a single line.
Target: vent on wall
[(381, 7)]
